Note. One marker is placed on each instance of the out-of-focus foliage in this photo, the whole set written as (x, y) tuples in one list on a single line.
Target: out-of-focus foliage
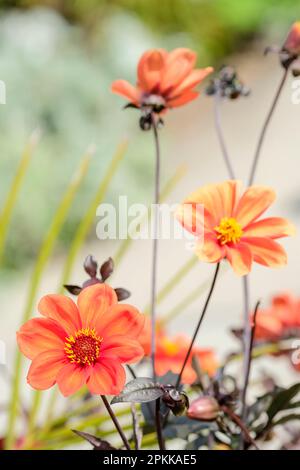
[(58, 59), (216, 27)]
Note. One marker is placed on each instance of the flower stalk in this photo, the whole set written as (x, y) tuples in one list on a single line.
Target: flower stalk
[(155, 241), (116, 422), (198, 325)]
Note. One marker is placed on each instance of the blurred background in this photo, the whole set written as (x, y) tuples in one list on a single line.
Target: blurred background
[(58, 59)]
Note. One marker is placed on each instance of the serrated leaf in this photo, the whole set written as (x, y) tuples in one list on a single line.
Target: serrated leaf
[(140, 390), (282, 400)]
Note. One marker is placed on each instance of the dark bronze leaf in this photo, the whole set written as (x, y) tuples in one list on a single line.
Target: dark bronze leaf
[(140, 390), (96, 442)]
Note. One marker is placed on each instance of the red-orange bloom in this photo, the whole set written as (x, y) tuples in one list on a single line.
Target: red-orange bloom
[(292, 42), (164, 80), (171, 351), (84, 344), (230, 227), (281, 319)]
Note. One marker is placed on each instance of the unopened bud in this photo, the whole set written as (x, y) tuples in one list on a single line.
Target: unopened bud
[(292, 42), (176, 401), (204, 409)]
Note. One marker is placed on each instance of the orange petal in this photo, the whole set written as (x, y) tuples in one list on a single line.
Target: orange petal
[(150, 69), (180, 62), (183, 99), (272, 227), (266, 251), (240, 258), (209, 250), (253, 203), (218, 199), (193, 79), (267, 326), (192, 217), (107, 378), (71, 378), (207, 360), (39, 335), (125, 349), (44, 369), (93, 302), (121, 319), (61, 309), (125, 89)]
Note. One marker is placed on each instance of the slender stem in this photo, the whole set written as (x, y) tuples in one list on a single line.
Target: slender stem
[(155, 243), (160, 438), (198, 325), (265, 127), (247, 361), (130, 369), (116, 422), (246, 336), (218, 125), (237, 420)]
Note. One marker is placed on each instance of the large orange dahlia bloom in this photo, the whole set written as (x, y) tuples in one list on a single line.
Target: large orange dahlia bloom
[(231, 228), (87, 343), (164, 80)]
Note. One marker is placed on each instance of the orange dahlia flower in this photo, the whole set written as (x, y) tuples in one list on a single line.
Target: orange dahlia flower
[(231, 228), (171, 351), (164, 80), (87, 343)]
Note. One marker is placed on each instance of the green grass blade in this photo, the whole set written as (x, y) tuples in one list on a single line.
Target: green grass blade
[(15, 188), (190, 298), (174, 280), (166, 191), (82, 232), (44, 254), (87, 221)]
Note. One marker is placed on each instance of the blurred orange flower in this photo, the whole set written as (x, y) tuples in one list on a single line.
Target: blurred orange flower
[(84, 344), (171, 351), (164, 80), (280, 319), (292, 42), (229, 227)]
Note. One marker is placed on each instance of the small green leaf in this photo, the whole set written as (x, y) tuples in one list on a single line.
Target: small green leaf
[(282, 400), (286, 419), (140, 390)]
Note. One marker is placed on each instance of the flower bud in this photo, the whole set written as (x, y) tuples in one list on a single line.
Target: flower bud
[(204, 409), (176, 401), (292, 42)]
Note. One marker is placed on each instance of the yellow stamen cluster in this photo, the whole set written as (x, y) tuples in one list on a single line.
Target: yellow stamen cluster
[(229, 231), (84, 347)]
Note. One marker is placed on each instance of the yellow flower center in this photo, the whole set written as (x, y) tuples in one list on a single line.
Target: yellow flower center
[(229, 231), (171, 347), (84, 347)]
